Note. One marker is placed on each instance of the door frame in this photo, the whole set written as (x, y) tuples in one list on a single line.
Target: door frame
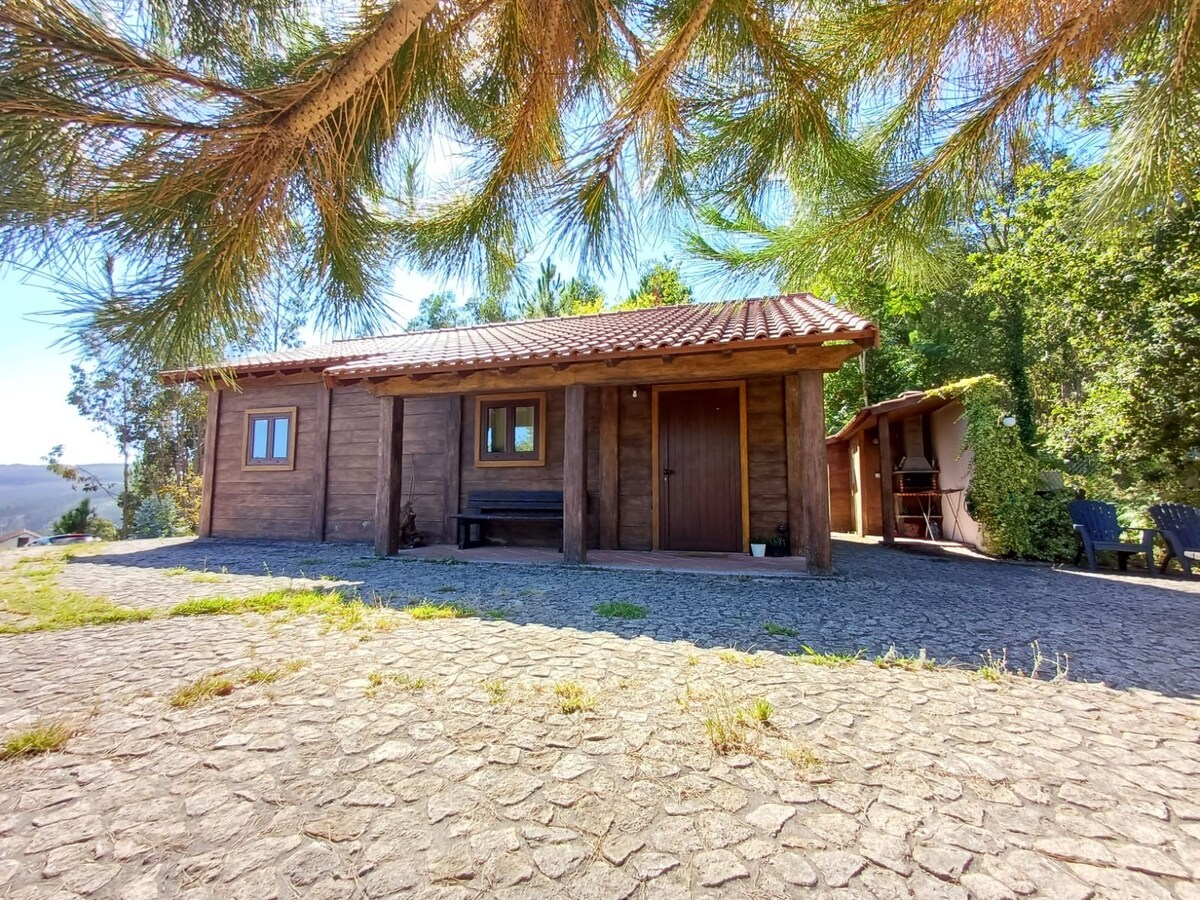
[(655, 466)]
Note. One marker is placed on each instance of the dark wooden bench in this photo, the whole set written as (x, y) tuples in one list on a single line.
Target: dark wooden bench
[(507, 506)]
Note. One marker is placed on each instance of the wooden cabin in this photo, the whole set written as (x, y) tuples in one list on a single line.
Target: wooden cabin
[(898, 469), (697, 427)]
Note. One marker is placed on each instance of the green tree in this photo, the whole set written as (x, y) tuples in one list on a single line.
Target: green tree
[(552, 296), (83, 519), (1102, 330), (660, 285), (439, 310)]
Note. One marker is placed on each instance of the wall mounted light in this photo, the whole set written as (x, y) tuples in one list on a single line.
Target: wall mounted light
[(635, 392), (1008, 421)]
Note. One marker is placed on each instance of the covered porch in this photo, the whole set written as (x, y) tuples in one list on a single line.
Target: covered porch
[(658, 431), (683, 562)]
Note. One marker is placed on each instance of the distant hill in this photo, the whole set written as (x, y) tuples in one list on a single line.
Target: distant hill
[(33, 497)]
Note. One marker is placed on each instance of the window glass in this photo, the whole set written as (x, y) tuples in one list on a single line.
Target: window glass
[(497, 430), (523, 435), (279, 446), (258, 443)]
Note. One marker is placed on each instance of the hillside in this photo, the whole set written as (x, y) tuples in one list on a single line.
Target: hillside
[(33, 497)]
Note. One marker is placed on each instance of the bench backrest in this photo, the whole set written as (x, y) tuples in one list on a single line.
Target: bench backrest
[(1181, 519), (516, 501), (1099, 518)]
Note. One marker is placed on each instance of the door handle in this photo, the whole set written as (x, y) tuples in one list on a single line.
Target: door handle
[(667, 472)]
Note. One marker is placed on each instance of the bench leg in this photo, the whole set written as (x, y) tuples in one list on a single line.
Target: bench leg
[(1123, 561), (1090, 551)]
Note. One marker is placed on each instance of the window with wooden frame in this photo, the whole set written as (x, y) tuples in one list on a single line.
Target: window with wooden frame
[(270, 439), (510, 430)]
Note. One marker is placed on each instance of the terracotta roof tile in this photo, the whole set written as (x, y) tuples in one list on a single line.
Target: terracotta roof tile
[(799, 316)]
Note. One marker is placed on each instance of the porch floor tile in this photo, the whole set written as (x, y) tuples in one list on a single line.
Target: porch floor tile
[(665, 560)]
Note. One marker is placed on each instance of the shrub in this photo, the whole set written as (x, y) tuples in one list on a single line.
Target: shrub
[(158, 517)]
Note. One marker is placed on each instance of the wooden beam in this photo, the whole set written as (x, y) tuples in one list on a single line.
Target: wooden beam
[(885, 480), (390, 480), (610, 402), (795, 476), (451, 481), (814, 472), (642, 371), (209, 473), (320, 472), (575, 476)]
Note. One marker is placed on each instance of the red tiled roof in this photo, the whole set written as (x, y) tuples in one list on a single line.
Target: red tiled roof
[(788, 319)]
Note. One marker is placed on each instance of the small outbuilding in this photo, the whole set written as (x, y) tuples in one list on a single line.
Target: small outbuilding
[(900, 468), (22, 537)]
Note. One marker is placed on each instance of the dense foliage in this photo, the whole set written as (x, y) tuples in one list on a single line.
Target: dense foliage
[(83, 519), (1094, 332), (215, 145)]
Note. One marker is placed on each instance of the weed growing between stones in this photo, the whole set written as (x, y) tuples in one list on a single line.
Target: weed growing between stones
[(736, 658), (428, 610), (336, 609), (176, 570), (894, 660), (727, 731), (201, 690), (617, 609), (30, 600), (497, 692), (259, 675), (994, 668), (779, 630), (400, 680), (572, 698), (41, 737), (802, 756), (834, 660), (761, 710)]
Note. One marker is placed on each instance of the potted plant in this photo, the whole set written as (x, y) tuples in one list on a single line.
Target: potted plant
[(758, 548), (778, 546), (781, 544)]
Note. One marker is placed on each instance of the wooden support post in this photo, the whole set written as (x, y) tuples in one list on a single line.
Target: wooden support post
[(814, 472), (320, 473), (575, 476), (610, 400), (209, 474), (885, 480), (390, 481), (795, 477), (451, 481)]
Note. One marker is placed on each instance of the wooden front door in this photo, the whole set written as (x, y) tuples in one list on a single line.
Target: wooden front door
[(700, 477)]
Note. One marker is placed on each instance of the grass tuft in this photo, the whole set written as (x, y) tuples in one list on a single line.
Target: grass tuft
[(401, 680), (176, 570), (736, 658), (618, 609), (761, 710), (894, 660), (338, 610), (428, 610), (497, 692), (572, 698), (42, 737), (994, 668), (206, 578), (779, 630), (833, 660), (259, 675), (201, 690), (727, 731)]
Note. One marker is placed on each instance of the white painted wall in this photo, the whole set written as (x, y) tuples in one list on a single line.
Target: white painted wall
[(949, 426)]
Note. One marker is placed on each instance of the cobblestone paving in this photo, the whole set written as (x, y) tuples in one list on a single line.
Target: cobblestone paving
[(865, 782)]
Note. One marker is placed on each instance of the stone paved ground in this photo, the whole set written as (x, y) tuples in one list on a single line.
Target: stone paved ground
[(866, 782)]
